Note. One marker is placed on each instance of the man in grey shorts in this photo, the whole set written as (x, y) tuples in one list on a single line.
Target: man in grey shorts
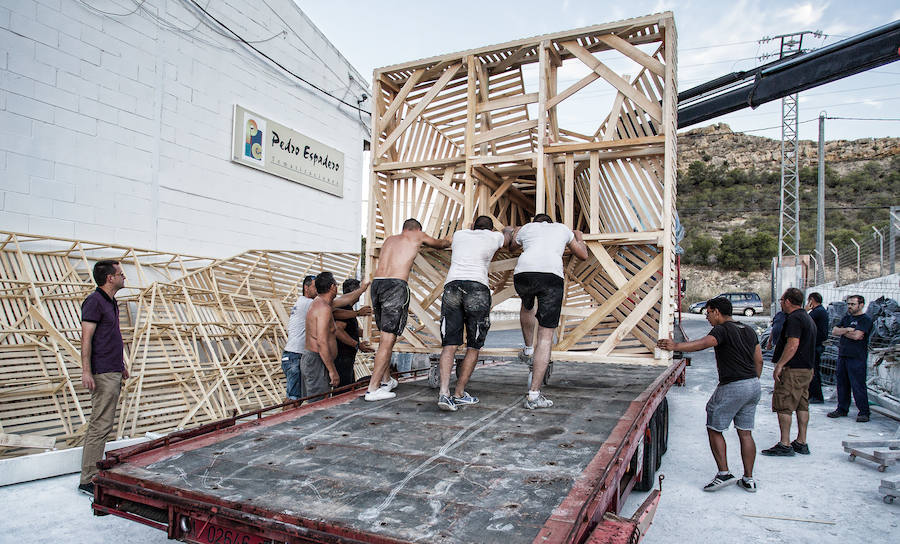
[(739, 362)]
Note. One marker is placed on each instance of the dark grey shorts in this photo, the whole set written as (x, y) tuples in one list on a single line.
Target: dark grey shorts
[(390, 304), (314, 374), (465, 304), (735, 401)]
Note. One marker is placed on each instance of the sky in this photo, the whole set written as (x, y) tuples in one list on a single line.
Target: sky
[(714, 38)]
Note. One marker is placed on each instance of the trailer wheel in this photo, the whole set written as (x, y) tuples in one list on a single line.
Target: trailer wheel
[(434, 377), (662, 431), (663, 427), (648, 470)]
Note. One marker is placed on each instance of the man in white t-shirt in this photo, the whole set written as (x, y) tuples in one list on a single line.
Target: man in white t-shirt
[(466, 303), (539, 275)]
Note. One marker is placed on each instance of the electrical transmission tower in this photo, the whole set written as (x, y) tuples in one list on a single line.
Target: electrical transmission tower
[(789, 207)]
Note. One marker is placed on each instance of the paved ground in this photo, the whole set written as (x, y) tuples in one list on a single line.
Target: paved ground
[(823, 486)]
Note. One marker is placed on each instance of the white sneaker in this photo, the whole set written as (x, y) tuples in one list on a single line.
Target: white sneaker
[(379, 394), (390, 385)]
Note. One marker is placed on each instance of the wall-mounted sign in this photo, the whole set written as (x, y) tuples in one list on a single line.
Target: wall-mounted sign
[(263, 144)]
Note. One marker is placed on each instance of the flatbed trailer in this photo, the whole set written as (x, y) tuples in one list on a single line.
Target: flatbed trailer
[(344, 470)]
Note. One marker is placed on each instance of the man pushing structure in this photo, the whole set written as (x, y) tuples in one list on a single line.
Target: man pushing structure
[(466, 303), (539, 275), (390, 299)]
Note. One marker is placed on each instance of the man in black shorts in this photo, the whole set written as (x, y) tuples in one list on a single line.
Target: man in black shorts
[(539, 275), (390, 299), (739, 362), (794, 354), (466, 303)]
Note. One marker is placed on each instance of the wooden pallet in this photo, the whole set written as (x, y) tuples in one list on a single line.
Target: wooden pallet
[(882, 457), (203, 337), (479, 132)]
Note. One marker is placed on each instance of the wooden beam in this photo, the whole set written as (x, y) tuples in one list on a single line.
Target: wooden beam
[(626, 326), (626, 88), (602, 146), (416, 111), (634, 53), (609, 304)]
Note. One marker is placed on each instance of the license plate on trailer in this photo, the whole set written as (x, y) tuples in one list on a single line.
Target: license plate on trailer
[(209, 533)]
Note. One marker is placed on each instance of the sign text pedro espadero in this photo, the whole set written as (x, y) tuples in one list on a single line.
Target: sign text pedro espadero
[(263, 144)]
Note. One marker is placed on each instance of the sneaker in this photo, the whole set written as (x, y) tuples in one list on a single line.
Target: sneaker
[(540, 402), (719, 482), (87, 489), (466, 399), (802, 449), (836, 414), (379, 394), (526, 359), (748, 485), (779, 450), (390, 385), (446, 403), (861, 418)]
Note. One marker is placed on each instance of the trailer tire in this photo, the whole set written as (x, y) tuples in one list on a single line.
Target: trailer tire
[(648, 468), (663, 430), (434, 376)]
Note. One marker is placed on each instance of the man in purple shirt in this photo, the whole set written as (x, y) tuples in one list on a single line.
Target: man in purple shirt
[(102, 364)]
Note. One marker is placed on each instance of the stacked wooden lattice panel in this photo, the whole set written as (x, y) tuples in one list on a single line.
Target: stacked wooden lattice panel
[(203, 338), (479, 132)]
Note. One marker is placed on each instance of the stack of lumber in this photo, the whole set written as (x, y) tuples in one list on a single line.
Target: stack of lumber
[(203, 337)]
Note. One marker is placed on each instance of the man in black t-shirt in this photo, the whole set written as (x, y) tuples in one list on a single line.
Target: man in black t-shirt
[(819, 315), (794, 355), (739, 362), (347, 334), (853, 354)]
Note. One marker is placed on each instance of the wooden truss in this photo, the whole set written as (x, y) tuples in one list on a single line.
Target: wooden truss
[(203, 337), (479, 132)]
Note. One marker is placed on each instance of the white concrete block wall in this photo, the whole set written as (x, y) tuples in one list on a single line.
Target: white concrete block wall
[(118, 129)]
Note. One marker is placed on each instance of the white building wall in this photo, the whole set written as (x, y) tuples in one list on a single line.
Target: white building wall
[(117, 128)]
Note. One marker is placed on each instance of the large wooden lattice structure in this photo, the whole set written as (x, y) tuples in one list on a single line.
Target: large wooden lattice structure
[(482, 132), (203, 337)]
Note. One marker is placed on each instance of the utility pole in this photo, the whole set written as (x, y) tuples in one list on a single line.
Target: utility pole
[(820, 207), (789, 207)]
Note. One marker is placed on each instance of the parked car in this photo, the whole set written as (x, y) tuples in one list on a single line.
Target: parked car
[(742, 303)]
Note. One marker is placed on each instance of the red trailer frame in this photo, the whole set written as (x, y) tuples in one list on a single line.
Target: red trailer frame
[(587, 514)]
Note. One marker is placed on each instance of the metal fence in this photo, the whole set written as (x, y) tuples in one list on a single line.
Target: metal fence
[(866, 267)]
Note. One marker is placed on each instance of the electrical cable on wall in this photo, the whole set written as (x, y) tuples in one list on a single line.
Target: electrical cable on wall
[(275, 62)]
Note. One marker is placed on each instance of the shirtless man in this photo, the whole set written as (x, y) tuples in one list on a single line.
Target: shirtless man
[(321, 342), (390, 298)]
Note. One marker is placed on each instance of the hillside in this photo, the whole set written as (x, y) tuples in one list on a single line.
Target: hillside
[(728, 199), (718, 144)]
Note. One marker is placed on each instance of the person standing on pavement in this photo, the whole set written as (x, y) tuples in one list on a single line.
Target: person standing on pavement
[(539, 276), (819, 315), (739, 363), (103, 370), (466, 304), (793, 357), (853, 353)]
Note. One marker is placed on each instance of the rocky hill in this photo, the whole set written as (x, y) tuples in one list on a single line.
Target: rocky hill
[(718, 144)]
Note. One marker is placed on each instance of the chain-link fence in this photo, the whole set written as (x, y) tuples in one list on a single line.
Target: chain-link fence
[(866, 266)]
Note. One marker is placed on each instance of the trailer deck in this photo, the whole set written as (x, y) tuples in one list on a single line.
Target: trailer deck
[(402, 470)]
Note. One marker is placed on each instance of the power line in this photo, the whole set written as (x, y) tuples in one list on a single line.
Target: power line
[(865, 118), (775, 210), (275, 62), (110, 13)]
